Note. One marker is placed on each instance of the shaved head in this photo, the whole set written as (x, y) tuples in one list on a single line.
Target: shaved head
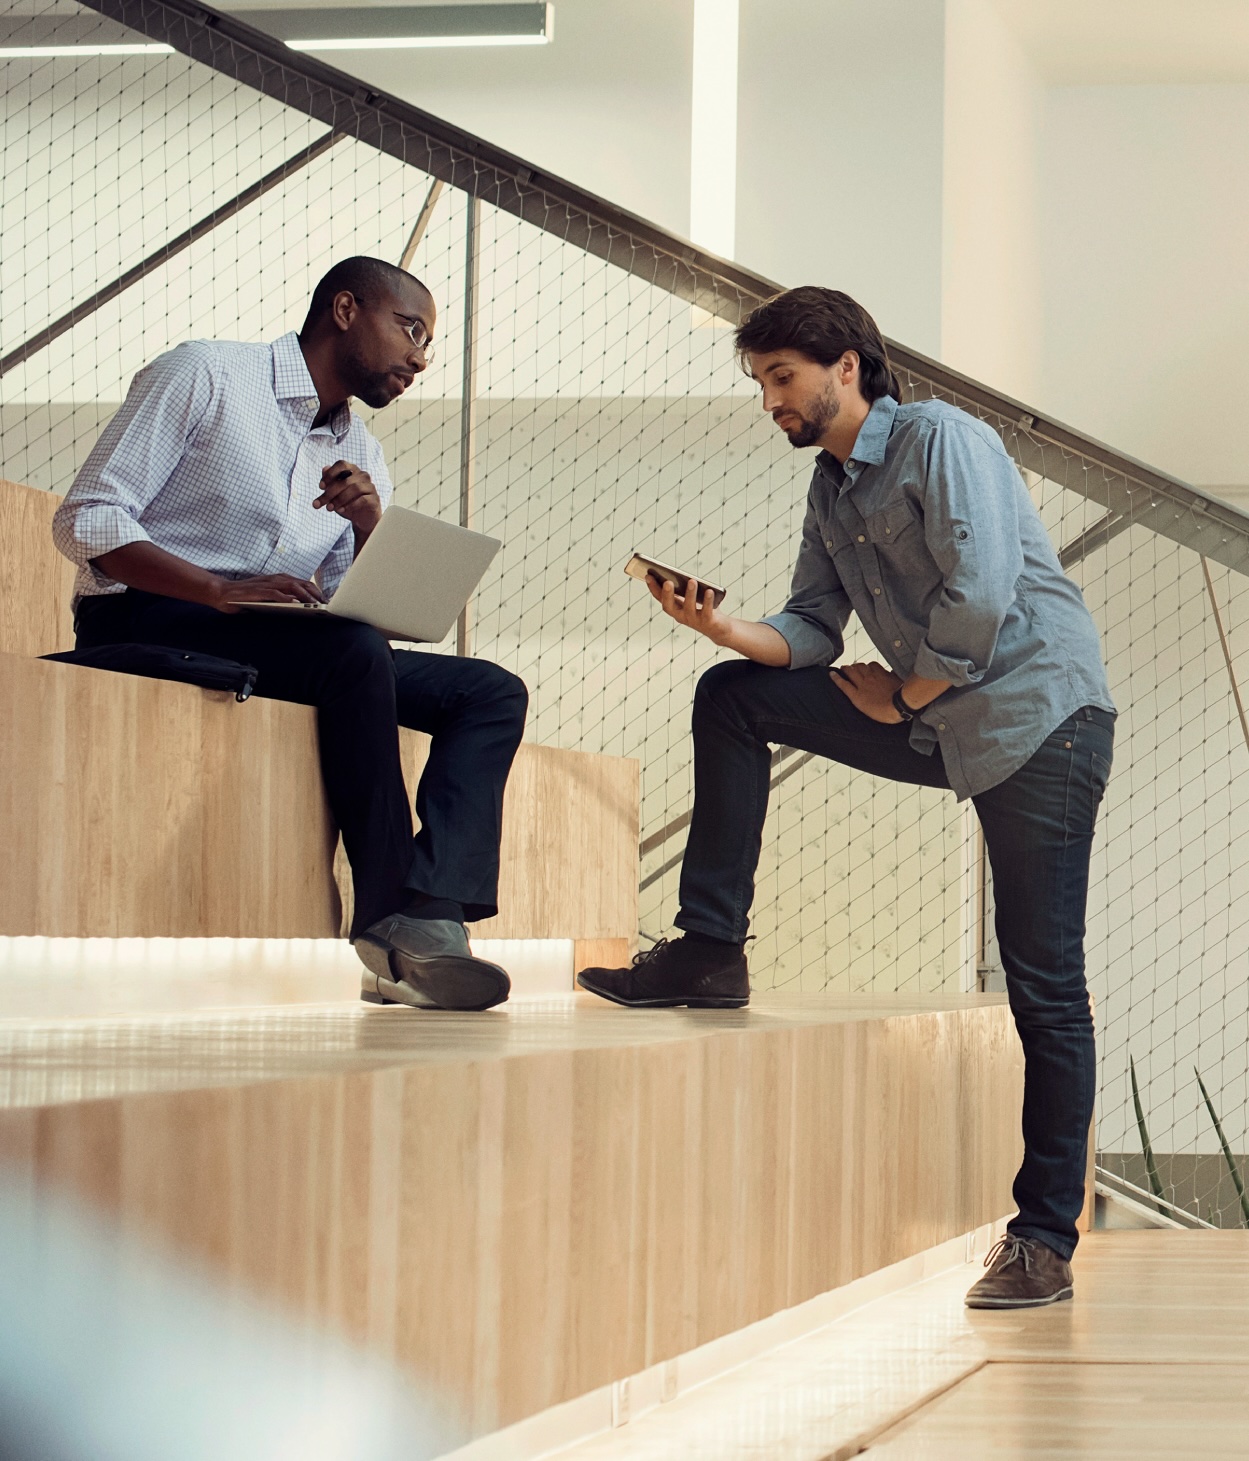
[(369, 280)]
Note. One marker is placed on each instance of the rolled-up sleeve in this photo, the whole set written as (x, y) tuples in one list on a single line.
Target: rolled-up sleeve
[(813, 621), (971, 525), (134, 457), (342, 555)]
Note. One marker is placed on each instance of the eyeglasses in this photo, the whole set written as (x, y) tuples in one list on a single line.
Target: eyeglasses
[(418, 334)]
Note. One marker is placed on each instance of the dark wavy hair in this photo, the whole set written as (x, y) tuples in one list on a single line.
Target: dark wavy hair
[(821, 324), (366, 278)]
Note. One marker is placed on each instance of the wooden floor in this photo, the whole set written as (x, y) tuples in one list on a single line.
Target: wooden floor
[(1151, 1359)]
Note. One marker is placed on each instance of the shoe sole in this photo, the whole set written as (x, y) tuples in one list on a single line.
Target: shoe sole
[(429, 981), (665, 1004), (1020, 1303)]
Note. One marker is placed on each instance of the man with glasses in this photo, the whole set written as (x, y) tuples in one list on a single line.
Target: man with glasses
[(239, 473)]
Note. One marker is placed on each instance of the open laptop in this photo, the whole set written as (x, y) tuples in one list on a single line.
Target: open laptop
[(410, 580)]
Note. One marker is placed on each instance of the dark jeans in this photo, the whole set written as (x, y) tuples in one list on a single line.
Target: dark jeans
[(1038, 830), (363, 691)]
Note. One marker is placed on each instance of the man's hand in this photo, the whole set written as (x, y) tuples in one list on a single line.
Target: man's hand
[(147, 567), (869, 688), (759, 642), (349, 491), (703, 618), (268, 588)]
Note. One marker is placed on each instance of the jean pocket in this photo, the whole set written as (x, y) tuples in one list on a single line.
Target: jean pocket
[(1064, 735), (1099, 775)]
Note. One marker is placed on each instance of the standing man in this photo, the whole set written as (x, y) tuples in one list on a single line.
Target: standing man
[(993, 686), (238, 472)]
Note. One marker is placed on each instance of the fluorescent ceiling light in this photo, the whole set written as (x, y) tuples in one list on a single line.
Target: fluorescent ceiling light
[(407, 43), (408, 27), (8, 52), (360, 28)]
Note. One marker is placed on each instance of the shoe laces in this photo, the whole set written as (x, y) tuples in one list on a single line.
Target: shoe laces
[(1010, 1249), (646, 955)]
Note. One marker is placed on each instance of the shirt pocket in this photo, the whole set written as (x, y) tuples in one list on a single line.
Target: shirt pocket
[(895, 526)]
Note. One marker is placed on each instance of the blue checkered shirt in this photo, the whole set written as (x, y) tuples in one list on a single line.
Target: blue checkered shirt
[(213, 457)]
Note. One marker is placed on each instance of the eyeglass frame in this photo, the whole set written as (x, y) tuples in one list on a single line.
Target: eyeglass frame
[(424, 345)]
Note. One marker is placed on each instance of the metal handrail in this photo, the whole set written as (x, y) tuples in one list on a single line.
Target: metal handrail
[(1117, 1185), (1129, 488)]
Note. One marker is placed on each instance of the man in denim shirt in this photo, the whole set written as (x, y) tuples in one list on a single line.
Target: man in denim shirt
[(993, 686)]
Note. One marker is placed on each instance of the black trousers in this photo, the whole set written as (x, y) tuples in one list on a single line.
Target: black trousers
[(363, 691), (1038, 831)]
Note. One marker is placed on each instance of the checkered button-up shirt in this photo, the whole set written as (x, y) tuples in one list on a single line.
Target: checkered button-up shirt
[(213, 457)]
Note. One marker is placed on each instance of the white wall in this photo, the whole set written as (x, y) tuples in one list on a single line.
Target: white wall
[(839, 153), (1146, 271), (607, 105), (991, 305)]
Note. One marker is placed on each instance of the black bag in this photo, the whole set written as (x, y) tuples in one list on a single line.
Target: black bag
[(159, 662)]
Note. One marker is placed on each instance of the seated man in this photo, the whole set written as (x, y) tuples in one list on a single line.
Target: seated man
[(238, 472), (919, 522)]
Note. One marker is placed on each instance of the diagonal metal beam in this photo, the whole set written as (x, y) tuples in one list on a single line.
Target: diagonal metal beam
[(421, 224), (1227, 652), (1104, 530), (162, 256)]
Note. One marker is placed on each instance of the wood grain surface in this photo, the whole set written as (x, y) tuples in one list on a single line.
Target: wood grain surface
[(35, 581), (526, 1205), (136, 807)]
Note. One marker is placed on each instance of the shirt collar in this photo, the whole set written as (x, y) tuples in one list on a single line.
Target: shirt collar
[(292, 381), (869, 445)]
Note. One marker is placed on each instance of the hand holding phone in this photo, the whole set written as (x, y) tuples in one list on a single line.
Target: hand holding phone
[(641, 567)]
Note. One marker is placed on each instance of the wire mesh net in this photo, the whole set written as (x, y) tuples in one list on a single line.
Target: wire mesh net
[(607, 414)]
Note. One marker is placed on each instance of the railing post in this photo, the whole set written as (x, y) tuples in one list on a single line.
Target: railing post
[(421, 224), (468, 399)]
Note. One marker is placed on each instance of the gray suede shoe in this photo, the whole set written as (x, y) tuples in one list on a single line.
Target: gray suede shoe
[(1023, 1274), (427, 963)]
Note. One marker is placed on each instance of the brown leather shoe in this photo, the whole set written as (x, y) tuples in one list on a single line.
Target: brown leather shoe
[(1023, 1274), (699, 975)]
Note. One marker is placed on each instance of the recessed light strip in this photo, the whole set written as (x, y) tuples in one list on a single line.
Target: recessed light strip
[(408, 43), (408, 27), (12, 52)]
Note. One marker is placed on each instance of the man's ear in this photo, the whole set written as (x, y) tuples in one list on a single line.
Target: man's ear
[(848, 367), (344, 309)]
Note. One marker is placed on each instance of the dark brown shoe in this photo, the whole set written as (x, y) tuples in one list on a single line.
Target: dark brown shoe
[(701, 976), (1023, 1274)]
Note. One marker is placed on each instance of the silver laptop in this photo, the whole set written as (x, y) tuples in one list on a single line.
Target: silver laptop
[(410, 580)]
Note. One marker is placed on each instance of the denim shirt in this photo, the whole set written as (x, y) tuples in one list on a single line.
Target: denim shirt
[(929, 535)]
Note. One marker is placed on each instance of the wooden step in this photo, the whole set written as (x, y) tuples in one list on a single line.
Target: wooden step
[(527, 1205)]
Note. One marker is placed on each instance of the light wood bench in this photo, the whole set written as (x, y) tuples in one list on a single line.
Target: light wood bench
[(135, 807)]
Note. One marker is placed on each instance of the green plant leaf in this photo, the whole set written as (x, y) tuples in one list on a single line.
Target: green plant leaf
[(1155, 1184), (1227, 1151)]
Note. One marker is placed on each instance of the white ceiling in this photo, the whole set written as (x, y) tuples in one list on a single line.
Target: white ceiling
[(1076, 42)]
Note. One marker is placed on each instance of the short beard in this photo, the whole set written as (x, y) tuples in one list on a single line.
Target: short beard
[(811, 428), (374, 387)]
